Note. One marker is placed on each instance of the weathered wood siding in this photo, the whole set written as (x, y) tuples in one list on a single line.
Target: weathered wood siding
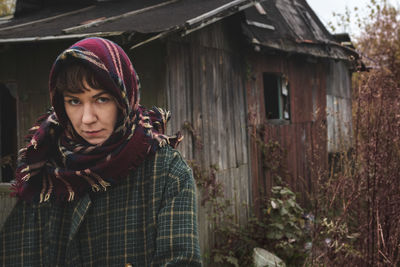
[(205, 87), (304, 137), (6, 202), (28, 67), (339, 115), (149, 63)]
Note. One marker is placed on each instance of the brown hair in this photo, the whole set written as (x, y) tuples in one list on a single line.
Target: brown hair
[(72, 77)]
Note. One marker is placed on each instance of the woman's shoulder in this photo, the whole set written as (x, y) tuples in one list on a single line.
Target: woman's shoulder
[(167, 151), (170, 158), (166, 164)]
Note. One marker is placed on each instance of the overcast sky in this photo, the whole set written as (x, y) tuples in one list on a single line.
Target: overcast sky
[(325, 8)]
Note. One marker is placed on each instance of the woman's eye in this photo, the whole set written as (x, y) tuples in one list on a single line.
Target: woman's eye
[(73, 102), (103, 100)]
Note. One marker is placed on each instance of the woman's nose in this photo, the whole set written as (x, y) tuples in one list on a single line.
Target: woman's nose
[(89, 114)]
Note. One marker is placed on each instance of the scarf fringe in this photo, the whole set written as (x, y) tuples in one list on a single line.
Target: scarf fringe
[(95, 187), (45, 196), (66, 189), (67, 185), (44, 187), (87, 174), (100, 180)]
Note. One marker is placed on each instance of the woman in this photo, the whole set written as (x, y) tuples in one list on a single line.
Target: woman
[(99, 183)]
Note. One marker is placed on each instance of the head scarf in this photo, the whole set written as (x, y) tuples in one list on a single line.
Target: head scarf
[(57, 162)]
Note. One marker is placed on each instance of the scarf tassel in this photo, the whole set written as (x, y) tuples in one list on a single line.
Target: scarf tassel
[(95, 187), (45, 197), (100, 180), (44, 187), (87, 175), (71, 193)]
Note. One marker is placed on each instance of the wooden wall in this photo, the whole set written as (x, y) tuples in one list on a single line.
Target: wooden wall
[(304, 136), (27, 66), (339, 114), (205, 87), (149, 63)]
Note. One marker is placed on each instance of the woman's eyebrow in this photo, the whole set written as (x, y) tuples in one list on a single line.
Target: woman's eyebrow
[(67, 95), (99, 94)]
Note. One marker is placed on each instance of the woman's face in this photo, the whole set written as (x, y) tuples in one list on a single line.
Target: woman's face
[(93, 114)]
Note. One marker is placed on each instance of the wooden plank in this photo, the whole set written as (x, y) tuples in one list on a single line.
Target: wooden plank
[(179, 91), (310, 179), (172, 82), (6, 202), (241, 117), (230, 110), (189, 100), (205, 235), (244, 191), (217, 117), (197, 118), (302, 147), (207, 104)]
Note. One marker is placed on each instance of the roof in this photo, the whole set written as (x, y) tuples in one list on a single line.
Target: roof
[(293, 27), (285, 25), (114, 17)]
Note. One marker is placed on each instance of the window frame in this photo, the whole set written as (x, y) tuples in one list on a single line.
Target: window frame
[(281, 83)]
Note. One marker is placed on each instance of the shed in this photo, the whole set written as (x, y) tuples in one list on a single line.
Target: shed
[(211, 63), (299, 92)]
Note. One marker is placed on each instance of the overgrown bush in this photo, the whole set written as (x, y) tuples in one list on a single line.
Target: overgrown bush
[(357, 202), (280, 228)]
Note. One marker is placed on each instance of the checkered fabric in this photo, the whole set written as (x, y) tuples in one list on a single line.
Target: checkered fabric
[(148, 219)]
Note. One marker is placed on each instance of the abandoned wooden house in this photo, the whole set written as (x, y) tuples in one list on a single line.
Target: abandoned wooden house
[(231, 72)]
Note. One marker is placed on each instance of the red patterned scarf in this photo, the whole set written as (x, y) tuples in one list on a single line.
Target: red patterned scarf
[(54, 163)]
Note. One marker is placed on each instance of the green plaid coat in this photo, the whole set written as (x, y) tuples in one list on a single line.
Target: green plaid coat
[(147, 220)]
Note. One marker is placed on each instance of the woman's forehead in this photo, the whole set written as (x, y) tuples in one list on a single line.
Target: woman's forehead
[(91, 92)]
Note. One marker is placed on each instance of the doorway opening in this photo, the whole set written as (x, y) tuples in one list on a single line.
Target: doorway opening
[(8, 133)]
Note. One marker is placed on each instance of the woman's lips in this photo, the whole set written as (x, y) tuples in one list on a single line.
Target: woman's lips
[(91, 133)]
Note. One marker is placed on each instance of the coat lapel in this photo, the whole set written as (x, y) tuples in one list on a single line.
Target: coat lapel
[(78, 215)]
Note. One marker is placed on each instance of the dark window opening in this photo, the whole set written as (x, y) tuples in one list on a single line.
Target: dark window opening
[(8, 134), (276, 96)]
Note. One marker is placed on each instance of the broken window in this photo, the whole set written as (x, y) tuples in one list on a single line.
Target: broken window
[(8, 133), (276, 96)]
